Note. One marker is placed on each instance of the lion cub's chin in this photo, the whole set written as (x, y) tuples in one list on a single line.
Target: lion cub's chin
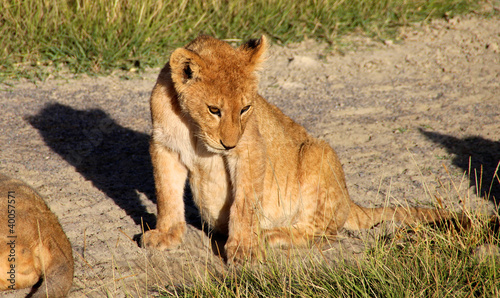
[(217, 151), (213, 149), (212, 146)]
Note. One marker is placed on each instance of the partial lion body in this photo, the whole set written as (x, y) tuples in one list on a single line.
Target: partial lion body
[(254, 173), (33, 246)]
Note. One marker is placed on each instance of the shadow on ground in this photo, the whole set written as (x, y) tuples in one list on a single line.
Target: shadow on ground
[(477, 156), (116, 159)]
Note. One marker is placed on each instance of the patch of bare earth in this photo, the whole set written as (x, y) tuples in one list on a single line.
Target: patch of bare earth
[(406, 119)]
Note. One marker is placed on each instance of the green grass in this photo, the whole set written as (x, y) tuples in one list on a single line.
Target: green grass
[(422, 263), (41, 37)]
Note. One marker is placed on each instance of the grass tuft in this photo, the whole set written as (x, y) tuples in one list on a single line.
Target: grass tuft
[(423, 262), (95, 37)]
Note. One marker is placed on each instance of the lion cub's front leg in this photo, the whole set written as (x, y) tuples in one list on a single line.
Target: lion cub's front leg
[(247, 173), (170, 175)]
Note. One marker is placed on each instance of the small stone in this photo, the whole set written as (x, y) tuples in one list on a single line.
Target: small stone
[(388, 42), (493, 47), (454, 21), (303, 62)]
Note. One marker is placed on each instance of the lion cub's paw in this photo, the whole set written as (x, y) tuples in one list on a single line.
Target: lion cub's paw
[(237, 253), (160, 240)]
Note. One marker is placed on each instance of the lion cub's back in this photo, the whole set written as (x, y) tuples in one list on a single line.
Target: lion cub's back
[(26, 208)]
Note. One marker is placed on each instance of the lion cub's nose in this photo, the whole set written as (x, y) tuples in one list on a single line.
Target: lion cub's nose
[(227, 147)]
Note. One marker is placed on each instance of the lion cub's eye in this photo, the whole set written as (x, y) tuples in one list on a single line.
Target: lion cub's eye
[(214, 110), (244, 110)]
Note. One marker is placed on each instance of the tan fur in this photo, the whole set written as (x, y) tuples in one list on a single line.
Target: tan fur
[(41, 250), (254, 173)]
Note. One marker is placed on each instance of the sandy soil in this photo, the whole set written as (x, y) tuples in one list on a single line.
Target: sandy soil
[(407, 119)]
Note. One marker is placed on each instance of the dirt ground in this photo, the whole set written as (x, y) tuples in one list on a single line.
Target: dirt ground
[(407, 119)]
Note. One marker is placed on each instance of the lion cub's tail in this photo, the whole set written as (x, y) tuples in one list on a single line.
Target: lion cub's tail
[(364, 218)]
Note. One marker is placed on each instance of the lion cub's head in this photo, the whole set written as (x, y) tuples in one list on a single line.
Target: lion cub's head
[(216, 86)]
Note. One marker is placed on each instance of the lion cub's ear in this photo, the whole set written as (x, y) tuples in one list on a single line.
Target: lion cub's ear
[(185, 65), (255, 49)]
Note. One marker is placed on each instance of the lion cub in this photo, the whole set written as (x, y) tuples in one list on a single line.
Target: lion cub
[(254, 173), (33, 247)]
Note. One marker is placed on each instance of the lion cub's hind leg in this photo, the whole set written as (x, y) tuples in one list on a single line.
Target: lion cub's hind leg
[(294, 235), (26, 272), (323, 198)]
